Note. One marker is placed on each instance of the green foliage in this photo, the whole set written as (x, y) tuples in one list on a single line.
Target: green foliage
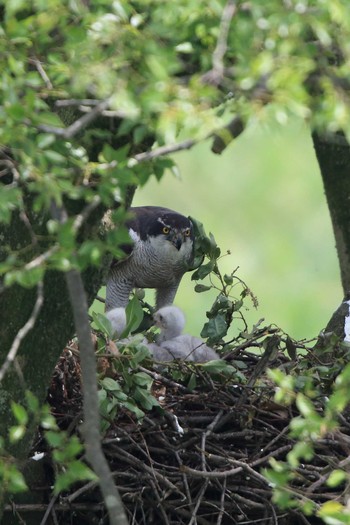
[(148, 74), (226, 306), (319, 404), (66, 450)]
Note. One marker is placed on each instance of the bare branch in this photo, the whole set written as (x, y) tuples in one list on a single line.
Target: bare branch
[(11, 356), (165, 150), (38, 261), (77, 102), (211, 475), (91, 425), (41, 72), (216, 74), (84, 214), (78, 125), (106, 113)]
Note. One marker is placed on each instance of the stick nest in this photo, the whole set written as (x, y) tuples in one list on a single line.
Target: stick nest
[(198, 457)]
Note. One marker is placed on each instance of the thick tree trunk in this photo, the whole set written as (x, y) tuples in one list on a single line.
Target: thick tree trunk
[(41, 347), (333, 155)]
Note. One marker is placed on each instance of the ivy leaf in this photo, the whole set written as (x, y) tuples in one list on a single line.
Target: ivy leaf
[(215, 328)]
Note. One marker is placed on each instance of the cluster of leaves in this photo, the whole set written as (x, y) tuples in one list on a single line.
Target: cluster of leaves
[(320, 394), (226, 306), (66, 449), (132, 391)]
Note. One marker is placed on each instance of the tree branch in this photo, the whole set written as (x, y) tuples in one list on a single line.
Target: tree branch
[(216, 74), (91, 425), (166, 150), (78, 125), (11, 356)]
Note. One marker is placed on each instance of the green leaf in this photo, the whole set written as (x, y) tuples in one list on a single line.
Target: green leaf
[(134, 315), (143, 379), (32, 402), (16, 481), (146, 399), (203, 271), (10, 198), (68, 450), (192, 382), (110, 384), (330, 508), (76, 471), (54, 156), (16, 111), (44, 140), (102, 323), (200, 288), (20, 413), (25, 278), (305, 406), (119, 155), (276, 477), (55, 438), (17, 433), (184, 47), (336, 478), (130, 405), (301, 450), (215, 328)]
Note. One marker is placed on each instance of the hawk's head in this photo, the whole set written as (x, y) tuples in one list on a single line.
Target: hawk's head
[(165, 229)]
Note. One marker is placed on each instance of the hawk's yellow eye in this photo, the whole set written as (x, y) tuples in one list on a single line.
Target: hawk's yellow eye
[(187, 232), (166, 230)]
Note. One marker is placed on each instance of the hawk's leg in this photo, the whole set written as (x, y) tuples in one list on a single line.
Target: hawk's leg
[(165, 296)]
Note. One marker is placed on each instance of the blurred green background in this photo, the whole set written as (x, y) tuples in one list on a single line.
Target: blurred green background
[(263, 200)]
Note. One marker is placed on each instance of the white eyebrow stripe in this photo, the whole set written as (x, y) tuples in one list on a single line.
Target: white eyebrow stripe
[(163, 223)]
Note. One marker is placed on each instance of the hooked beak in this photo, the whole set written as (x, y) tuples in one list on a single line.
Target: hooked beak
[(176, 239)]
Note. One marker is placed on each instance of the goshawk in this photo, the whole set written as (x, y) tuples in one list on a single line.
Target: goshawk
[(160, 253)]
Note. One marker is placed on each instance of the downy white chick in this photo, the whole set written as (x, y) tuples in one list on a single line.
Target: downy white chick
[(117, 318), (172, 344)]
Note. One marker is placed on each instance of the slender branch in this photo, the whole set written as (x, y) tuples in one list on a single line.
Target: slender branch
[(41, 72), (221, 46), (91, 425), (165, 150), (11, 356), (215, 75), (211, 475), (222, 503), (199, 501), (77, 102), (78, 125), (110, 113), (38, 261), (84, 214)]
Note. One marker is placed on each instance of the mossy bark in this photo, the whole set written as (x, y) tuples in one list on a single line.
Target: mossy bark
[(333, 155)]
